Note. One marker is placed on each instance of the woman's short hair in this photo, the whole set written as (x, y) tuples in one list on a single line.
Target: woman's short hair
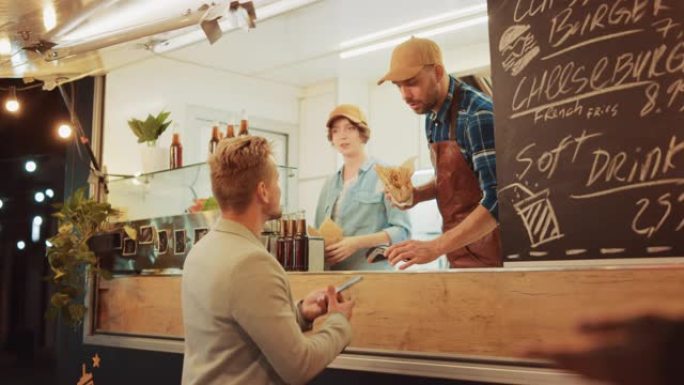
[(364, 131), (354, 115)]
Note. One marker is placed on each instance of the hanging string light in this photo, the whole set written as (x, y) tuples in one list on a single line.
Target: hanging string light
[(12, 104)]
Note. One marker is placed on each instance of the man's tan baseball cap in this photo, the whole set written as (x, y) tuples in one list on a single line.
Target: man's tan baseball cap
[(409, 57), (349, 111)]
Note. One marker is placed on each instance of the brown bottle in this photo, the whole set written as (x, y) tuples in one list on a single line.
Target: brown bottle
[(289, 245), (244, 125), (281, 249), (213, 142), (176, 152), (230, 131), (301, 245)]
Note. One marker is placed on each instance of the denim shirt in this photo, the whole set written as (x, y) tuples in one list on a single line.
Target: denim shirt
[(364, 210)]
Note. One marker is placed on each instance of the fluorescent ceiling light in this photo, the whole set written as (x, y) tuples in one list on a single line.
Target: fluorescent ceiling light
[(49, 16), (282, 6), (124, 17), (428, 33), (188, 38), (20, 63), (5, 46), (229, 24), (414, 25), (122, 36)]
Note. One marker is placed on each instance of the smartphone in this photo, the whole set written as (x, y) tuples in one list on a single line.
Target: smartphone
[(349, 283)]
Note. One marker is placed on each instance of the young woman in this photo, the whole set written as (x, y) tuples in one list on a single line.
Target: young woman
[(354, 197)]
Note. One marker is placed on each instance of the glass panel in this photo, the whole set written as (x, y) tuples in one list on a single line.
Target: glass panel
[(174, 192)]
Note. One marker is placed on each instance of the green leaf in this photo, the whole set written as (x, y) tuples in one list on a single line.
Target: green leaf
[(163, 128), (74, 313), (66, 228), (210, 204), (161, 118), (79, 217), (151, 128), (59, 299), (77, 310)]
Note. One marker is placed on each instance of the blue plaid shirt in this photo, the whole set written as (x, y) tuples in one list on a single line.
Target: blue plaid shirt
[(474, 134)]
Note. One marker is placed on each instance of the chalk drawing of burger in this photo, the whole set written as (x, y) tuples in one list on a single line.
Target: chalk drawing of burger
[(517, 47)]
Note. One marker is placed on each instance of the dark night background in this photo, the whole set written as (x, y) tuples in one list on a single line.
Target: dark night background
[(26, 338)]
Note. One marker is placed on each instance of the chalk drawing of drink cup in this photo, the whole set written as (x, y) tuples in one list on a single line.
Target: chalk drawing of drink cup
[(517, 47), (538, 216)]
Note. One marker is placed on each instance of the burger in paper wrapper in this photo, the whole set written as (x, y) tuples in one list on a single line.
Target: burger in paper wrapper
[(329, 230), (397, 180)]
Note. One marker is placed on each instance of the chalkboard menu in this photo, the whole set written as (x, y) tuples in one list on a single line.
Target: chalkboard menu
[(589, 109)]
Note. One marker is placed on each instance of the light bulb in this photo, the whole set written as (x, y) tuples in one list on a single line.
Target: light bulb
[(30, 166), (39, 197), (12, 105), (21, 245), (50, 193), (64, 131)]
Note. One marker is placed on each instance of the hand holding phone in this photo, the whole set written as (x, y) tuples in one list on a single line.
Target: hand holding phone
[(337, 304)]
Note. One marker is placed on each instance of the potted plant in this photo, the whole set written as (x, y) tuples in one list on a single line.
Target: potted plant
[(70, 257), (148, 131)]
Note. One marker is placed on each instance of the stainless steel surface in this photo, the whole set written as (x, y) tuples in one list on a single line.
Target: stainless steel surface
[(23, 24), (316, 254), (97, 190), (496, 373), (163, 243), (501, 371)]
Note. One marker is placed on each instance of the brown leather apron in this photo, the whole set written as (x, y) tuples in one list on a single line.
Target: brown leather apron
[(458, 194)]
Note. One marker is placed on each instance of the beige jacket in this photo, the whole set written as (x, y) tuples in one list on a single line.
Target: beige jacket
[(241, 325)]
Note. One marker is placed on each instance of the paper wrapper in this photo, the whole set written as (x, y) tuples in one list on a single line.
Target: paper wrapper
[(397, 180), (329, 230)]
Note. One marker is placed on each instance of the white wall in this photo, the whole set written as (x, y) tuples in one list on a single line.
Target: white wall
[(317, 158), (184, 89), (395, 127), (158, 83)]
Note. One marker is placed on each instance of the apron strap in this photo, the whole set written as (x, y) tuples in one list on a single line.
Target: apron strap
[(453, 114)]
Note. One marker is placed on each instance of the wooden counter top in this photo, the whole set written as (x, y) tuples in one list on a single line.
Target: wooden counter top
[(472, 312)]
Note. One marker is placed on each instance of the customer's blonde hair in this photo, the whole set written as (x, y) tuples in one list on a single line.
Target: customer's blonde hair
[(237, 166)]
